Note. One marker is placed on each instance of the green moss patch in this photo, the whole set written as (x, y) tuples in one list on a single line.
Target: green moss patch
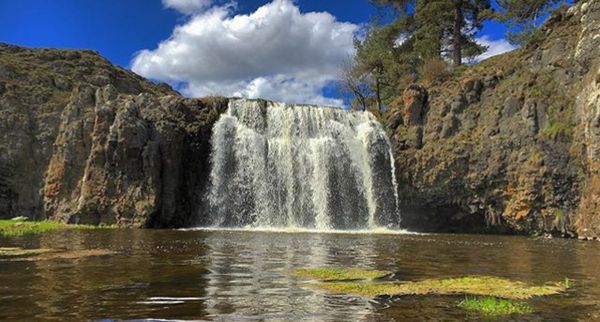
[(492, 306), (482, 286), (12, 228), (329, 273), (340, 281)]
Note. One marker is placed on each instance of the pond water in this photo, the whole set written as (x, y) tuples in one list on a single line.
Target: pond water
[(247, 276)]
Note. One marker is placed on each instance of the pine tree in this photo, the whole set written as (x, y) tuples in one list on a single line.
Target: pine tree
[(383, 58), (522, 15), (444, 28)]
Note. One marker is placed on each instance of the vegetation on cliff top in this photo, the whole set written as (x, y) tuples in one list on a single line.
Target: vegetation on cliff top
[(15, 228), (426, 35)]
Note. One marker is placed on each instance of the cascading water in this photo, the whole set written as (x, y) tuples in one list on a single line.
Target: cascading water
[(299, 166)]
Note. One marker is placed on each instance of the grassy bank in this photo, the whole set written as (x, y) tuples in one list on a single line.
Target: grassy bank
[(15, 228)]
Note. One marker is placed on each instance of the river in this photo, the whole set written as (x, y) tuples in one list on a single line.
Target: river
[(248, 276)]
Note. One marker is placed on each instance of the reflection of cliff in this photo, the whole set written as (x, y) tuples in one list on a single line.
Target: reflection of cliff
[(148, 265), (510, 144)]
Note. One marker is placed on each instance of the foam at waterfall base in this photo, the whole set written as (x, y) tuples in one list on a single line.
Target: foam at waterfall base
[(300, 230)]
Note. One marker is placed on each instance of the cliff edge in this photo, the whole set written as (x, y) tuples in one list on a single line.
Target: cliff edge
[(84, 141), (510, 144)]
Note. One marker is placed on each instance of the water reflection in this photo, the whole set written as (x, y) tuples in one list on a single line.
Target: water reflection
[(241, 276)]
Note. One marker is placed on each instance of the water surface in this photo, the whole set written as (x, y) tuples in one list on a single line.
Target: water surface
[(246, 276)]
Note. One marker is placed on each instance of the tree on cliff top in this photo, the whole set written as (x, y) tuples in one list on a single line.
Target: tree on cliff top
[(444, 28), (383, 59), (521, 17)]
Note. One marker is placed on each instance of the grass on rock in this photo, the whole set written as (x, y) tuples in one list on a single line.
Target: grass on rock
[(329, 273), (12, 228), (492, 306)]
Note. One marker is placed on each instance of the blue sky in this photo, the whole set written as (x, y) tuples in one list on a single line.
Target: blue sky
[(122, 29)]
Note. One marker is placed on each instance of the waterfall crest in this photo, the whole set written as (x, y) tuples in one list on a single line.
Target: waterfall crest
[(299, 166)]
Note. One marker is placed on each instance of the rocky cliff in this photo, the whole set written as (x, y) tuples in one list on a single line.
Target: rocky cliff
[(84, 141), (511, 144)]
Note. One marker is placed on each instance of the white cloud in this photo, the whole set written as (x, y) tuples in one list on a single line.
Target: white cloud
[(187, 7), (276, 52), (495, 47)]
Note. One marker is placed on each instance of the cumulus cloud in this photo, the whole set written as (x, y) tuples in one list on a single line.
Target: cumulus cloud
[(187, 7), (276, 52), (495, 47)]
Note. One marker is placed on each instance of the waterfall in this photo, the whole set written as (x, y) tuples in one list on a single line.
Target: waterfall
[(276, 165)]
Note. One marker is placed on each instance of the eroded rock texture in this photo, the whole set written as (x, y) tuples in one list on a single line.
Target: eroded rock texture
[(512, 144), (84, 141)]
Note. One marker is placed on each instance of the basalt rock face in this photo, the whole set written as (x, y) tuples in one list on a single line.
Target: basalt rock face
[(84, 141), (513, 143)]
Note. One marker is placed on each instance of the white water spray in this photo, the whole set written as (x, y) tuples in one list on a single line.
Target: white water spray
[(299, 166)]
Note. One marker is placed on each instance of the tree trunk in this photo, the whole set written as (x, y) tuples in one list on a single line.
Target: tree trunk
[(457, 40), (361, 100), (378, 93)]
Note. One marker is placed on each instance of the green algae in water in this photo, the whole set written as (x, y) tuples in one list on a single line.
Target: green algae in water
[(41, 254), (15, 251), (482, 286), (492, 306), (12, 228), (331, 273), (340, 281)]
